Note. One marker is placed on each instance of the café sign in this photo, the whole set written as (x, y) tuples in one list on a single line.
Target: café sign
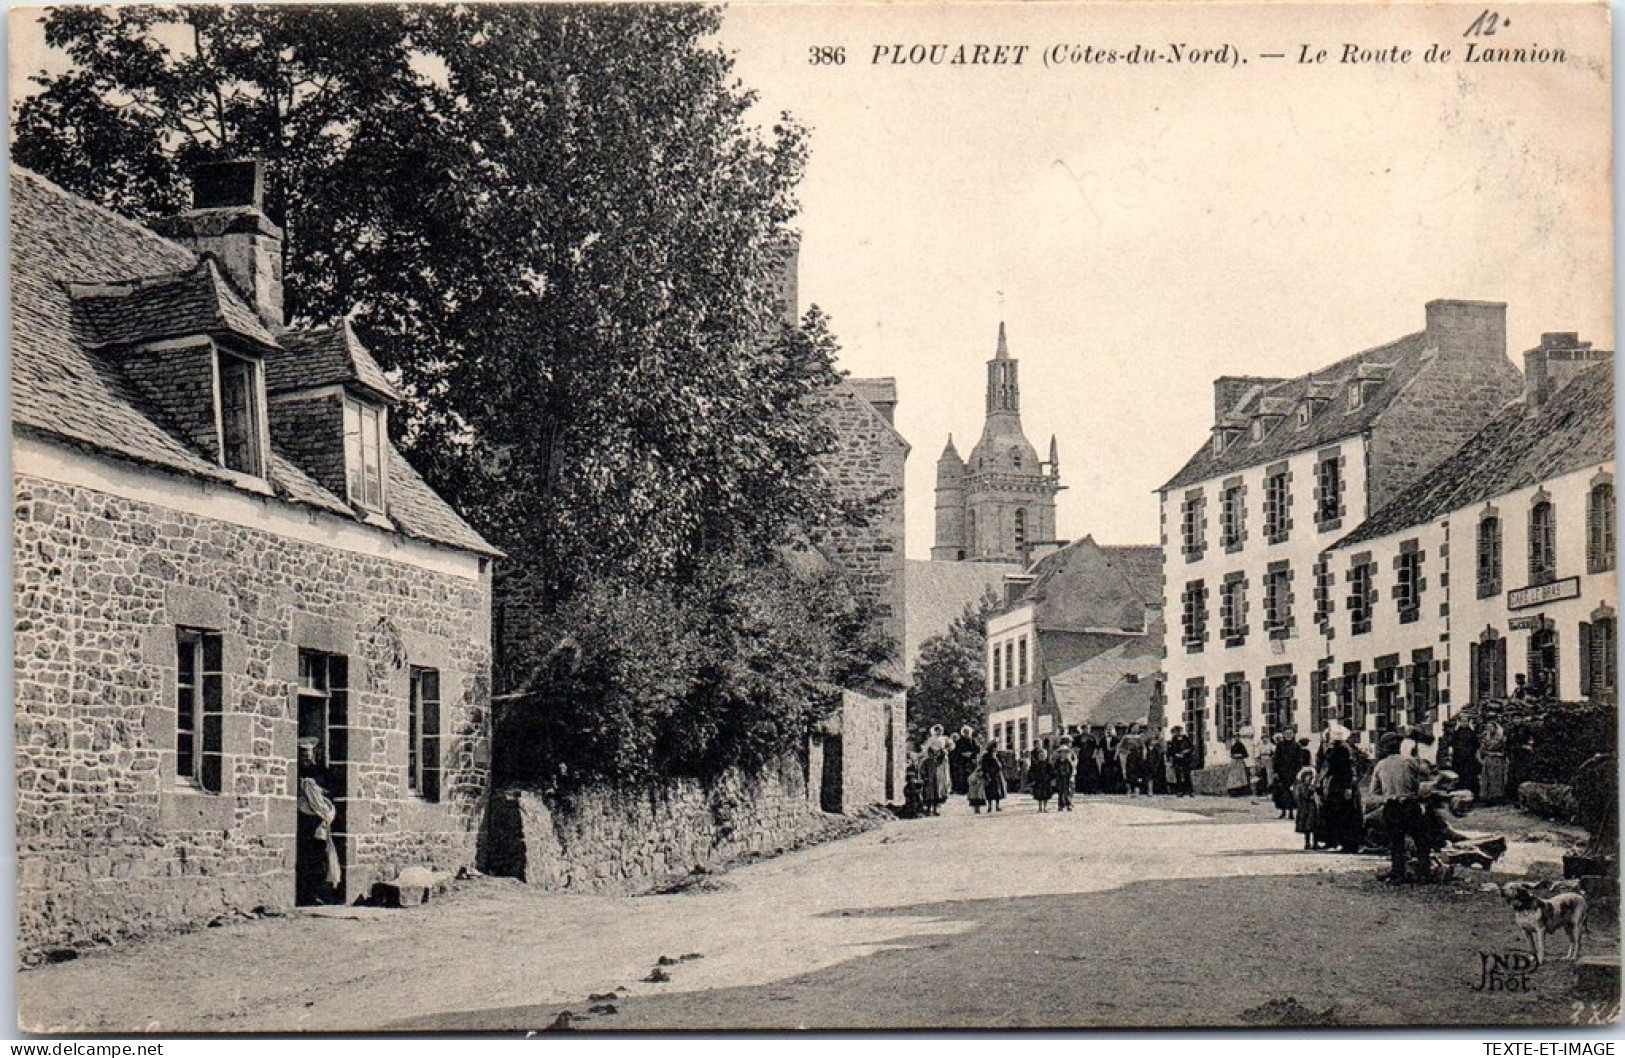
[(1523, 598)]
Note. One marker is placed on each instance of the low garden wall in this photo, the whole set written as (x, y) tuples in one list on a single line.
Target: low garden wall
[(603, 838)]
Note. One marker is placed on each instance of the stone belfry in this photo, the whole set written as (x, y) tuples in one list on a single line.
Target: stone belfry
[(999, 503)]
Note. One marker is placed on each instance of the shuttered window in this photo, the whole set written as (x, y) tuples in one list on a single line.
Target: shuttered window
[(1489, 556), (1600, 528)]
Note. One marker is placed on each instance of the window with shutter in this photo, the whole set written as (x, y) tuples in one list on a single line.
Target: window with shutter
[(1600, 528), (1489, 556), (1542, 543)]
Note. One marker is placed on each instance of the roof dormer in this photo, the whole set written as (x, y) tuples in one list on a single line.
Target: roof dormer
[(330, 406), (1366, 380), (193, 351), (1225, 434)]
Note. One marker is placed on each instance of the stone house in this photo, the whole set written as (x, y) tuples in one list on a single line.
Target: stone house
[(1291, 467), (221, 565), (859, 757), (1498, 562), (1073, 605)]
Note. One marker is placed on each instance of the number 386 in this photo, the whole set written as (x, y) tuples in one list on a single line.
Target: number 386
[(826, 56)]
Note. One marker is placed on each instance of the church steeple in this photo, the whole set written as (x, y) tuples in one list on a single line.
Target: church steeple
[(1003, 387), (998, 503)]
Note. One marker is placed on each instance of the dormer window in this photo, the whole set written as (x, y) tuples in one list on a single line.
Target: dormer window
[(1356, 395), (1258, 430), (364, 453), (1222, 436), (1306, 412), (241, 421)]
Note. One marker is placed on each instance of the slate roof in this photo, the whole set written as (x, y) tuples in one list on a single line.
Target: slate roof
[(326, 356), (65, 378), (154, 308), (1573, 430), (936, 593), (1085, 586), (1332, 422), (1116, 686)]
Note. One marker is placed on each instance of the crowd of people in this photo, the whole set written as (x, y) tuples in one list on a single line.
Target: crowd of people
[(1103, 760), (1339, 797)]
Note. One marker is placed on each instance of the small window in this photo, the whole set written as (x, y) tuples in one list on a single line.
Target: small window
[(1489, 556), (1021, 527), (1233, 517), (1305, 413), (1278, 602), (1193, 603), (323, 704), (998, 655), (423, 734), (364, 453), (1600, 528), (1277, 507), (1233, 612), (1191, 526), (1408, 583), (1329, 492), (199, 702), (1258, 430), (240, 419), (1021, 661), (1362, 595), (1235, 711), (1356, 395), (1542, 543)]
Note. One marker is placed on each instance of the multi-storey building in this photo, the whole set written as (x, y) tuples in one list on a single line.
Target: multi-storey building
[(1498, 562), (228, 583), (1075, 604), (1291, 466), (999, 504)]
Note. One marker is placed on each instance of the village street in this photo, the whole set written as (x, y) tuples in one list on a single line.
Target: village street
[(1148, 912)]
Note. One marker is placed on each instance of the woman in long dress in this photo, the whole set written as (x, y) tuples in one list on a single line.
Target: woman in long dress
[(1492, 756), (1237, 781), (1061, 765), (938, 782), (993, 779), (1341, 821), (1038, 777)]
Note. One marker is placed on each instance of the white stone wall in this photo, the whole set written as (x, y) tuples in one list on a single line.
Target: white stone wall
[(1471, 615), (1302, 549)]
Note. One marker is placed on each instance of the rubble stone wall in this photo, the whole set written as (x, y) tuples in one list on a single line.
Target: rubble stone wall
[(608, 839)]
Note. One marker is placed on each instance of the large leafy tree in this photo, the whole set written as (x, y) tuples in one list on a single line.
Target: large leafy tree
[(950, 681), (555, 222), (559, 227)]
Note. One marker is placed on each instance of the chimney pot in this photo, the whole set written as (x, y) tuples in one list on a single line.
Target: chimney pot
[(236, 182)]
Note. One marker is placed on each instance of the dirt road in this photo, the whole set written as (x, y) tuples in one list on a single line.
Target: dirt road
[(1152, 912)]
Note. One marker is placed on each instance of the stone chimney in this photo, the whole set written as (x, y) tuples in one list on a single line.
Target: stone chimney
[(881, 393), (1476, 329), (1229, 389), (1550, 366), (227, 222)]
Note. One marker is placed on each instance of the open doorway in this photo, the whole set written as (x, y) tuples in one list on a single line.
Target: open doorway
[(321, 778)]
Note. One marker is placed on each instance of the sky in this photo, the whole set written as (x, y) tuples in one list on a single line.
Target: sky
[(1143, 229)]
